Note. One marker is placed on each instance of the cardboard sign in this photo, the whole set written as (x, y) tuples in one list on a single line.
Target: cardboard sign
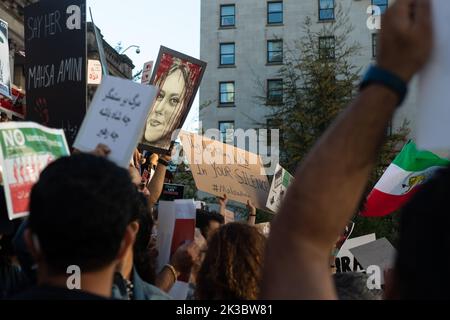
[(94, 72), (116, 118), (345, 261), (172, 192), (25, 150), (147, 72), (178, 77), (379, 253), (280, 183), (220, 169), (55, 45), (433, 96), (5, 71)]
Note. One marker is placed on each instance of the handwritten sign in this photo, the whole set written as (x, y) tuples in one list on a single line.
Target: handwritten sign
[(433, 96), (55, 45), (5, 72), (280, 183), (26, 149), (220, 169), (94, 72), (116, 118)]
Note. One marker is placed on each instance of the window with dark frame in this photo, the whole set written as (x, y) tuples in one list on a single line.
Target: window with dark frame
[(274, 91), (382, 4), (226, 93), (227, 15), (275, 51), (327, 48), (326, 10), (226, 129), (227, 57), (374, 45), (275, 12)]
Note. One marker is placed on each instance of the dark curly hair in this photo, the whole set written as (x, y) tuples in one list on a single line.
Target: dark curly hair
[(232, 267)]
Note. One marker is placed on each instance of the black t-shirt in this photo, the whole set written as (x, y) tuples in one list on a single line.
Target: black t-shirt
[(55, 293)]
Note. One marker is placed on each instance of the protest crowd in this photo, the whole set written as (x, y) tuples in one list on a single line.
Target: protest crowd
[(97, 229)]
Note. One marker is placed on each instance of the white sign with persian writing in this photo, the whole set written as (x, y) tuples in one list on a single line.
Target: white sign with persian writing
[(220, 169), (116, 118)]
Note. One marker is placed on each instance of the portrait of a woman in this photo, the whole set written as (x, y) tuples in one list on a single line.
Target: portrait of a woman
[(178, 80)]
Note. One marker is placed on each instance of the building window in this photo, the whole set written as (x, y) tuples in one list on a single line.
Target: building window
[(226, 93), (326, 10), (226, 129), (275, 91), (374, 45), (275, 51), (327, 47), (227, 15), (227, 54), (275, 12), (382, 4)]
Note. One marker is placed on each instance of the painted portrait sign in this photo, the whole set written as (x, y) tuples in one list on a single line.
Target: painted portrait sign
[(178, 77)]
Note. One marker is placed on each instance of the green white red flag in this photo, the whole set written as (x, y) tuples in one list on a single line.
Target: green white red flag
[(401, 180)]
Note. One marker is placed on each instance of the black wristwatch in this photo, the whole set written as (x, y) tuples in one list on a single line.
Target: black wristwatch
[(163, 162), (386, 78)]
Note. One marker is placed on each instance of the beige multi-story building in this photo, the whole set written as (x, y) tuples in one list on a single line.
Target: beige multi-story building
[(243, 42)]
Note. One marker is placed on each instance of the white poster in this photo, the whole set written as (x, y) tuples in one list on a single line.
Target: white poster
[(5, 71), (345, 261), (434, 81), (280, 183), (94, 72), (116, 118)]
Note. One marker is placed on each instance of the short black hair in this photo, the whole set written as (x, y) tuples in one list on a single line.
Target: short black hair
[(79, 211), (204, 217), (424, 238)]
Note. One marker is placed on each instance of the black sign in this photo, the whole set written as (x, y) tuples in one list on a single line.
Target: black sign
[(172, 192), (55, 46)]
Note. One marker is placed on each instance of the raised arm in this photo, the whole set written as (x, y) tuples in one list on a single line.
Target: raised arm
[(331, 180), (156, 184)]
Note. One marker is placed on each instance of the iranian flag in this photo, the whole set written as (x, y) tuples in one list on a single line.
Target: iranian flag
[(410, 169)]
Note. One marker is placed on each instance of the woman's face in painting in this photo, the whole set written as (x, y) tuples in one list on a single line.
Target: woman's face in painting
[(166, 108)]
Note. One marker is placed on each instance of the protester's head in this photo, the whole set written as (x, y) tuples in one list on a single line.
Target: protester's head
[(208, 222), (79, 214), (424, 238), (353, 286), (233, 263)]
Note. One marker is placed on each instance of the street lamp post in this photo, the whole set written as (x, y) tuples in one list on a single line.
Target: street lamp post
[(138, 49)]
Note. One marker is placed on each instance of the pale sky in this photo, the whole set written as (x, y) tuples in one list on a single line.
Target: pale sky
[(150, 24)]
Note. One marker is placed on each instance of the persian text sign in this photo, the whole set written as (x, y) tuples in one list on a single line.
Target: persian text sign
[(220, 169), (26, 149)]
